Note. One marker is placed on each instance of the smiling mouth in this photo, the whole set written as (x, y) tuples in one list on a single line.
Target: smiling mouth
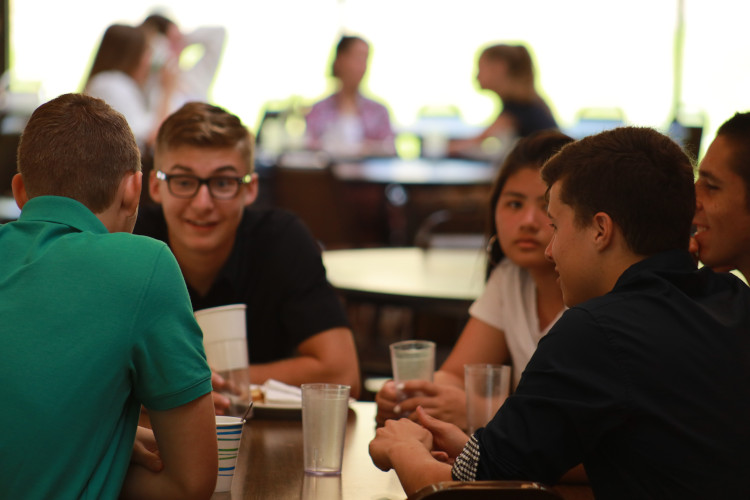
[(697, 229), (200, 223)]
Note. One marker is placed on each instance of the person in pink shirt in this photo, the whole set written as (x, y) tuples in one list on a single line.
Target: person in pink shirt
[(346, 123)]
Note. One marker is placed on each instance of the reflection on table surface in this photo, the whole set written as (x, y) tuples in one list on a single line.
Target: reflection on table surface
[(410, 272), (445, 171), (270, 464)]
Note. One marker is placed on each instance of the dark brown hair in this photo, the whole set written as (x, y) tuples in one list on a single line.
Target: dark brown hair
[(205, 126), (77, 146), (344, 44), (641, 178), (121, 49), (518, 59), (530, 152)]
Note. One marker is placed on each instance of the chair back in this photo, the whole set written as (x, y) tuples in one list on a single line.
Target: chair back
[(486, 490), (312, 192)]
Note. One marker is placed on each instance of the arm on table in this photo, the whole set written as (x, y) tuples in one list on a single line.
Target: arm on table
[(186, 439), (445, 399), (329, 356), (502, 125)]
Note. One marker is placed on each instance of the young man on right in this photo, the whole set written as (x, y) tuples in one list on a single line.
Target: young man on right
[(645, 379), (722, 215)]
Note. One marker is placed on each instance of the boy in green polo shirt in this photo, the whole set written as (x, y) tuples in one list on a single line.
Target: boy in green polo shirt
[(95, 323)]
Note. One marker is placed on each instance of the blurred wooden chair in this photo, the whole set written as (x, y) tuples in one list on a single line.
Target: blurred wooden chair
[(458, 227), (8, 148), (486, 490), (307, 187)]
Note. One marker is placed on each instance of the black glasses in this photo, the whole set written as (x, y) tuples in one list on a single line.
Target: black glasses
[(222, 187)]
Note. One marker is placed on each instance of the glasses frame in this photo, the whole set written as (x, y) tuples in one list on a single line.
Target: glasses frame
[(163, 176)]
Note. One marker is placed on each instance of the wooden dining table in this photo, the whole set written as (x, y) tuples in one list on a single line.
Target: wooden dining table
[(270, 463)]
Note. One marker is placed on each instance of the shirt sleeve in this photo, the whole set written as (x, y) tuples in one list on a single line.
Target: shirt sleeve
[(488, 306), (570, 395), (169, 366)]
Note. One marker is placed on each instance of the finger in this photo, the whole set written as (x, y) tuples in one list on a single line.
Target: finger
[(217, 381), (441, 456), (388, 390), (146, 458), (221, 402), (418, 386), (427, 421)]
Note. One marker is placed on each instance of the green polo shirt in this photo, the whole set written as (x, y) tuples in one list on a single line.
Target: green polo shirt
[(93, 324)]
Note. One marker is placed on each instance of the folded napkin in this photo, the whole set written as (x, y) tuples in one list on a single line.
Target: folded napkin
[(279, 393)]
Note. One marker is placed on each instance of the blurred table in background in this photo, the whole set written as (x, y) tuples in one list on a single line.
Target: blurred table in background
[(417, 172), (375, 201), (413, 190), (392, 294), (438, 277)]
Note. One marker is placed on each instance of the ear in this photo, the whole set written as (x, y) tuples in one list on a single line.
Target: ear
[(153, 186), (132, 184), (604, 229), (19, 191), (251, 190)]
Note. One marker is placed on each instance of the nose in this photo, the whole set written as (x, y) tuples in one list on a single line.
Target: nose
[(202, 198), (531, 218), (548, 250)]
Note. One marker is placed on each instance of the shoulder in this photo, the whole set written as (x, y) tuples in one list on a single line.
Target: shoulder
[(324, 104), (271, 227), (132, 249), (372, 105)]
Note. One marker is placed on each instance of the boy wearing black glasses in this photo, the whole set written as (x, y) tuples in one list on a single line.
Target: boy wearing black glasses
[(203, 179)]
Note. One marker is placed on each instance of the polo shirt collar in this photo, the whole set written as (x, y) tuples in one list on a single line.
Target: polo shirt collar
[(62, 210)]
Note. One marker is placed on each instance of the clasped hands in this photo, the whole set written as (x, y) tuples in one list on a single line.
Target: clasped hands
[(404, 440)]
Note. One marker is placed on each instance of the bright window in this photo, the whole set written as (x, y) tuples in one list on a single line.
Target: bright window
[(589, 53)]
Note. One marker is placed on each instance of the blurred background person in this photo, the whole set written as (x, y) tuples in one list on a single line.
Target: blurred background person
[(169, 43), (508, 72), (118, 76), (347, 123)]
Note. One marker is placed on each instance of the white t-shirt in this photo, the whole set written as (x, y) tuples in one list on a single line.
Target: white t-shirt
[(508, 303)]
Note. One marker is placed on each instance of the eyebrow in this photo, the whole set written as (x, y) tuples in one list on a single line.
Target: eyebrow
[(219, 170), (707, 175), (516, 194)]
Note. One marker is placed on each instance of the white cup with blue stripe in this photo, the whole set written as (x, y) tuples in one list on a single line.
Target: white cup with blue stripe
[(228, 435)]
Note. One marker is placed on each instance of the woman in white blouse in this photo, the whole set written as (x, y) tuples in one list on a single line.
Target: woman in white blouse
[(118, 76), (521, 300)]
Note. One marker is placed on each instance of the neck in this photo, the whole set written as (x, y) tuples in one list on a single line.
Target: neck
[(348, 91), (200, 268), (517, 91)]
